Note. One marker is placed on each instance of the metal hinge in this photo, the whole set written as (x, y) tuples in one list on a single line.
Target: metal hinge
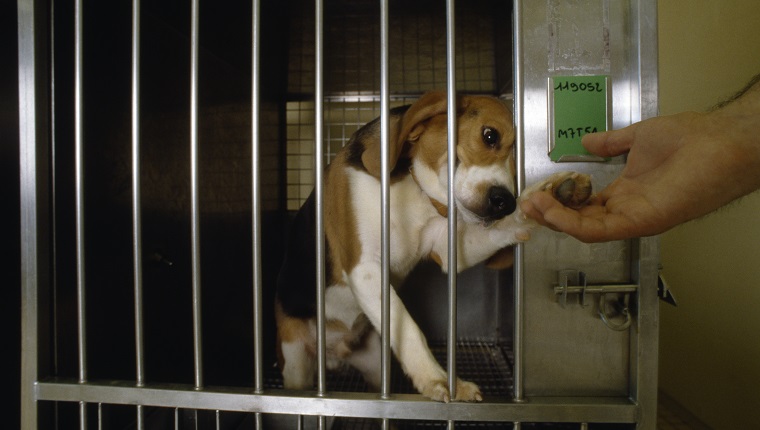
[(573, 282), (664, 292)]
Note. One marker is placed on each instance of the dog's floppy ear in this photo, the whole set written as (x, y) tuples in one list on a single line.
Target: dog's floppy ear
[(402, 130)]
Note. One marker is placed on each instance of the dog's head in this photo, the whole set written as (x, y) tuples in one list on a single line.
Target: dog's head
[(484, 184)]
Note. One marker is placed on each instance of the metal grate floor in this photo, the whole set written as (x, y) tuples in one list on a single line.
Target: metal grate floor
[(483, 362)]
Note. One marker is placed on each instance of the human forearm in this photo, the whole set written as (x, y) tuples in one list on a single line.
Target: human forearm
[(739, 117)]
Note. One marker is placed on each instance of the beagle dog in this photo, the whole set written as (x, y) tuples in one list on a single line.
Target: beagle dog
[(489, 221)]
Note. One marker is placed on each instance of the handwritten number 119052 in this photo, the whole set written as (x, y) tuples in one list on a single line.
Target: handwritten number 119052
[(591, 87)]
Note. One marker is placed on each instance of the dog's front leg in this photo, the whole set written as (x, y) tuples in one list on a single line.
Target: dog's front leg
[(407, 340), (475, 242)]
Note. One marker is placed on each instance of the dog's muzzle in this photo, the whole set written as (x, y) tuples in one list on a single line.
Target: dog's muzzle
[(500, 203)]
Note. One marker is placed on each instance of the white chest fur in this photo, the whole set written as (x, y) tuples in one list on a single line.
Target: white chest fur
[(410, 213)]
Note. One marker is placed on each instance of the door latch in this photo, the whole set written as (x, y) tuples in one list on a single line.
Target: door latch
[(664, 291), (573, 282)]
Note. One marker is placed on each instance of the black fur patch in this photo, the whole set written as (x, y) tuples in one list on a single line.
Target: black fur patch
[(370, 131), (297, 280), (355, 149)]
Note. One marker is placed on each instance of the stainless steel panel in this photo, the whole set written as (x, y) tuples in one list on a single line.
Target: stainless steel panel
[(34, 177), (570, 351)]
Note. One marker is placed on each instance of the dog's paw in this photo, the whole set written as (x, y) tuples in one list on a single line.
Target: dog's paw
[(569, 188), (439, 391), (468, 392)]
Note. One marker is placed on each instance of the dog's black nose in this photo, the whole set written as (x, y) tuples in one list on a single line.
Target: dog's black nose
[(500, 202)]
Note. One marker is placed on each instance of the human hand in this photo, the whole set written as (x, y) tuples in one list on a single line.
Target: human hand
[(679, 167)]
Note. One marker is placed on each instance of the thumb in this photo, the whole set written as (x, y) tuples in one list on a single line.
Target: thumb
[(610, 143)]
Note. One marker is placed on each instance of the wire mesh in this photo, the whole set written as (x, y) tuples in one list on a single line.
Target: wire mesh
[(417, 57), (343, 116)]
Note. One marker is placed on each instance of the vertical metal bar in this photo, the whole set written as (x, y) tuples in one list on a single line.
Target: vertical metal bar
[(79, 191), (256, 197), (319, 191), (258, 373), (195, 213), (136, 199), (79, 207), (644, 35), (646, 251), (385, 332), (53, 177), (136, 208), (33, 179), (53, 199), (452, 210), (519, 279)]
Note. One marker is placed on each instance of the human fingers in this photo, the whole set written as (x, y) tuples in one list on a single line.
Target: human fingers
[(547, 211), (591, 223), (533, 207), (610, 143)]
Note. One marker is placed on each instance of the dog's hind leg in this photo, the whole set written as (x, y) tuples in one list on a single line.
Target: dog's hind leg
[(297, 366), (295, 351), (366, 359)]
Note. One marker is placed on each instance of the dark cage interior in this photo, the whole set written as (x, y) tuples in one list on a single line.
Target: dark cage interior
[(352, 82)]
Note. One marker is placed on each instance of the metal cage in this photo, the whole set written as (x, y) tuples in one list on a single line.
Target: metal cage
[(164, 147)]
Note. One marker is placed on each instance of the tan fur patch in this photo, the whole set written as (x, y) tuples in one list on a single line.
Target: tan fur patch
[(289, 329), (437, 258), (475, 113), (503, 259), (442, 209), (484, 112), (431, 146), (340, 227)]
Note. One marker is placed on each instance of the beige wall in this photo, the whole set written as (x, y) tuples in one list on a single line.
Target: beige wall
[(710, 344)]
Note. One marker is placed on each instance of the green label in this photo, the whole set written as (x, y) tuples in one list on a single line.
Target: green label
[(579, 107)]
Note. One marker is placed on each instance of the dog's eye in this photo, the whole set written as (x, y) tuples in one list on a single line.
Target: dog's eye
[(491, 137)]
